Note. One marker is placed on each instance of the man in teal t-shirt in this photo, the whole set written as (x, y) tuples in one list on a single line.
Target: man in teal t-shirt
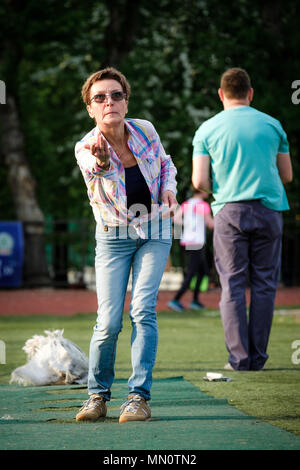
[(247, 153)]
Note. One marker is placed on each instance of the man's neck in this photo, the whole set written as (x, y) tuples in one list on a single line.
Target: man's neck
[(228, 104)]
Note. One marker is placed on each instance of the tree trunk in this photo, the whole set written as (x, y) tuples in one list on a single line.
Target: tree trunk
[(122, 30), (23, 193)]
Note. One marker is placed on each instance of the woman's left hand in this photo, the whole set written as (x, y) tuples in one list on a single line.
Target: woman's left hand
[(169, 202)]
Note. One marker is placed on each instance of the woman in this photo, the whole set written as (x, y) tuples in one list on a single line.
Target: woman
[(130, 179)]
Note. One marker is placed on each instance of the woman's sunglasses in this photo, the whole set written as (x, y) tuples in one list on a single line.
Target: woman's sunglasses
[(115, 96)]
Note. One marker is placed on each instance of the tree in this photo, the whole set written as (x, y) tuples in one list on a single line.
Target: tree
[(20, 178), (172, 53), (22, 187), (45, 29)]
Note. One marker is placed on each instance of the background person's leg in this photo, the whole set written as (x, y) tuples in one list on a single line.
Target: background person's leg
[(265, 263), (191, 271), (231, 246)]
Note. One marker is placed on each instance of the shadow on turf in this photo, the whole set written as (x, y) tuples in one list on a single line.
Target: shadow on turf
[(115, 420)]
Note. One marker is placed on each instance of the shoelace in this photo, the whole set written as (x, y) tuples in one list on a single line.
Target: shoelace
[(91, 402), (132, 404)]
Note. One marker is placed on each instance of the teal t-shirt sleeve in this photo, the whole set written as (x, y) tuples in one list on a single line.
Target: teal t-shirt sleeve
[(284, 144), (199, 146)]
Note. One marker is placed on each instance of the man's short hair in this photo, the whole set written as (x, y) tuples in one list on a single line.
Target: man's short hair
[(107, 73), (235, 83)]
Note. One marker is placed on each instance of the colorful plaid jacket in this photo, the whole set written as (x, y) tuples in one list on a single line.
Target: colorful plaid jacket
[(106, 188)]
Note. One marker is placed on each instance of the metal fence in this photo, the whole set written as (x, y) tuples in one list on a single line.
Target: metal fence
[(70, 250)]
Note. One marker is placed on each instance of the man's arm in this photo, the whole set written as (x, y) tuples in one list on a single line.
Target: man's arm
[(201, 173), (284, 166)]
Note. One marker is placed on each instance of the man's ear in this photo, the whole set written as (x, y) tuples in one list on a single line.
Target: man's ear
[(250, 94), (221, 94)]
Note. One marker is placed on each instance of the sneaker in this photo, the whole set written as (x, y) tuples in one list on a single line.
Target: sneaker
[(228, 366), (135, 409), (176, 305), (92, 409), (195, 305)]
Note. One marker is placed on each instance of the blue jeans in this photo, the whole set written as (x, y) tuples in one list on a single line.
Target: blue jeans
[(116, 254)]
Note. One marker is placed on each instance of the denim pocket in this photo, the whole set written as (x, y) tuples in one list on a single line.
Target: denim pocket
[(105, 232)]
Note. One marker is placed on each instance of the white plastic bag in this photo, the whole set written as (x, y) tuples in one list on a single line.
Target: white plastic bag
[(52, 359)]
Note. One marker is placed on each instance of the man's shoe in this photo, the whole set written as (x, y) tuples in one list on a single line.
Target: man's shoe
[(92, 409), (195, 305), (176, 305), (228, 366), (135, 409), (258, 369)]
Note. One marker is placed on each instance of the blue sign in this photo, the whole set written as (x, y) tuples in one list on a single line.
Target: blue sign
[(11, 254)]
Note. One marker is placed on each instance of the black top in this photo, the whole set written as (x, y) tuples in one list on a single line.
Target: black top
[(137, 190)]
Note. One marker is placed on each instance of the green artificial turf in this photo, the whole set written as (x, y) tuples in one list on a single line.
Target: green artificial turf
[(183, 418), (190, 344)]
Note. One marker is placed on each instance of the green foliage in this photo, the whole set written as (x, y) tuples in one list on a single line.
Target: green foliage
[(172, 53)]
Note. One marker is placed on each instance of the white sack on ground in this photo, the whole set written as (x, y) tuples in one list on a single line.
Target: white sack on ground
[(52, 359)]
